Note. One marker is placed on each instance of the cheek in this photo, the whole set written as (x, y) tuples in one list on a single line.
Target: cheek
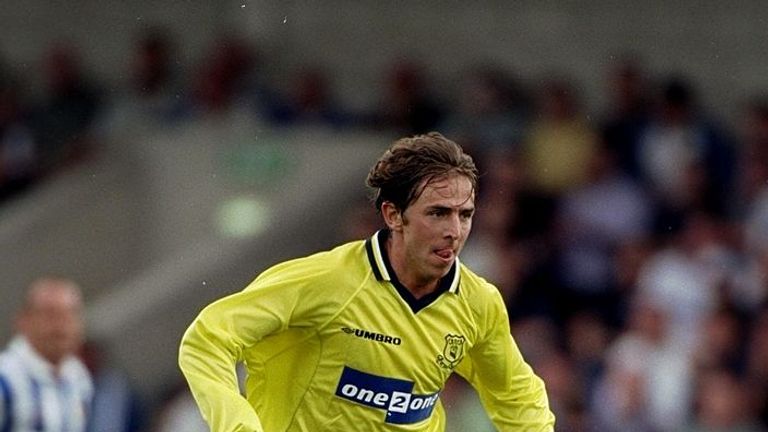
[(466, 229)]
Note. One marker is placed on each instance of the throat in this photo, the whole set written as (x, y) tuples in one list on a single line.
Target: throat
[(420, 290), (419, 287)]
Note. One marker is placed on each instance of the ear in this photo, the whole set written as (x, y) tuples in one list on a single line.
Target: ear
[(393, 217)]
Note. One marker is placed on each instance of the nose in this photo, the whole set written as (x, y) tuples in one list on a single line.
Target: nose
[(453, 227)]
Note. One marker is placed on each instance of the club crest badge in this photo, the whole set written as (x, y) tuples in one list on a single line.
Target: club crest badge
[(453, 351)]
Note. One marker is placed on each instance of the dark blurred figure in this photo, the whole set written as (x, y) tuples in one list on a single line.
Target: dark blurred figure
[(553, 160), (152, 69), (513, 239), (723, 405), (154, 96), (565, 389), (722, 342), (753, 161), (594, 220), (492, 114), (157, 92), (757, 363), (627, 112), (19, 165), (64, 122), (308, 101), (408, 106), (685, 158), (115, 406), (224, 76), (586, 339)]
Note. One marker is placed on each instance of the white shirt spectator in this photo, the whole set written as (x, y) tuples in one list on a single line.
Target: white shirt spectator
[(34, 397)]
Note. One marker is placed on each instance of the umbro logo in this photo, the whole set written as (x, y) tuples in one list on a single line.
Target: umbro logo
[(378, 337)]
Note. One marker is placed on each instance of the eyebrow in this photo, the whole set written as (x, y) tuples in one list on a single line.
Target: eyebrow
[(443, 207)]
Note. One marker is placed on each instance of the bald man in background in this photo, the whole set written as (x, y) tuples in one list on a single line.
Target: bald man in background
[(43, 385)]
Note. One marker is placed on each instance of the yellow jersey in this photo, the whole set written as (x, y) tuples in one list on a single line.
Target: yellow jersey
[(334, 342)]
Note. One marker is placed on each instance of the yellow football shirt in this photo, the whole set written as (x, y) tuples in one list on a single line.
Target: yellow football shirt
[(334, 342)]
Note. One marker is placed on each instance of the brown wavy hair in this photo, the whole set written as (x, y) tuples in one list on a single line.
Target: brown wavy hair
[(410, 164)]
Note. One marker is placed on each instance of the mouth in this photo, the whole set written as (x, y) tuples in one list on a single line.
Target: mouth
[(445, 254)]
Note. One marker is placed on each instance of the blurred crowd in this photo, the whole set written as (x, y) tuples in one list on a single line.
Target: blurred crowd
[(630, 243)]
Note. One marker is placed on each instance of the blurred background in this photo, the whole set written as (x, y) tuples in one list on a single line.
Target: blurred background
[(162, 154)]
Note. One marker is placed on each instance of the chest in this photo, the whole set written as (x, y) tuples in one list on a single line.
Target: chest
[(379, 334), (46, 406)]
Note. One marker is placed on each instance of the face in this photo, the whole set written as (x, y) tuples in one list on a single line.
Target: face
[(52, 320), (433, 229)]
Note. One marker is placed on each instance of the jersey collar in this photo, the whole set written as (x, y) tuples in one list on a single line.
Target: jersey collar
[(382, 269)]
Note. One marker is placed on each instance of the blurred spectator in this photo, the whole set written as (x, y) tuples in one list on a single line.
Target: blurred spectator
[(723, 405), (63, 123), (749, 284), (154, 95), (753, 164), (115, 406), (757, 363), (647, 382), (627, 112), (512, 242), (684, 157), (224, 76), (491, 115), (754, 177), (490, 248), (152, 69), (564, 388), (586, 339), (154, 74), (720, 345), (561, 140), (408, 105), (594, 220), (687, 276), (43, 385), (537, 336), (309, 101)]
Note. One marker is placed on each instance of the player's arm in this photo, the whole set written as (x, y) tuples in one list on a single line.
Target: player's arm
[(214, 343), (512, 394)]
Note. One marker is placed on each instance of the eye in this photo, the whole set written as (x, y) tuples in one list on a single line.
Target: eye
[(438, 212), (466, 215)]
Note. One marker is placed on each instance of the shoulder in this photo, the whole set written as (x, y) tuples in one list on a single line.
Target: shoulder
[(483, 297), (477, 287), (347, 261), (12, 370), (10, 360)]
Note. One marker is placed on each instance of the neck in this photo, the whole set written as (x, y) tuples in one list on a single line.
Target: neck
[(417, 286)]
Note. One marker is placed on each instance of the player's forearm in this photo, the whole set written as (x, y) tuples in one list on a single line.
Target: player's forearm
[(209, 368), (524, 410), (515, 397)]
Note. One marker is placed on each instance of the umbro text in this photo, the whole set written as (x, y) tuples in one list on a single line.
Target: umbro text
[(378, 337)]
